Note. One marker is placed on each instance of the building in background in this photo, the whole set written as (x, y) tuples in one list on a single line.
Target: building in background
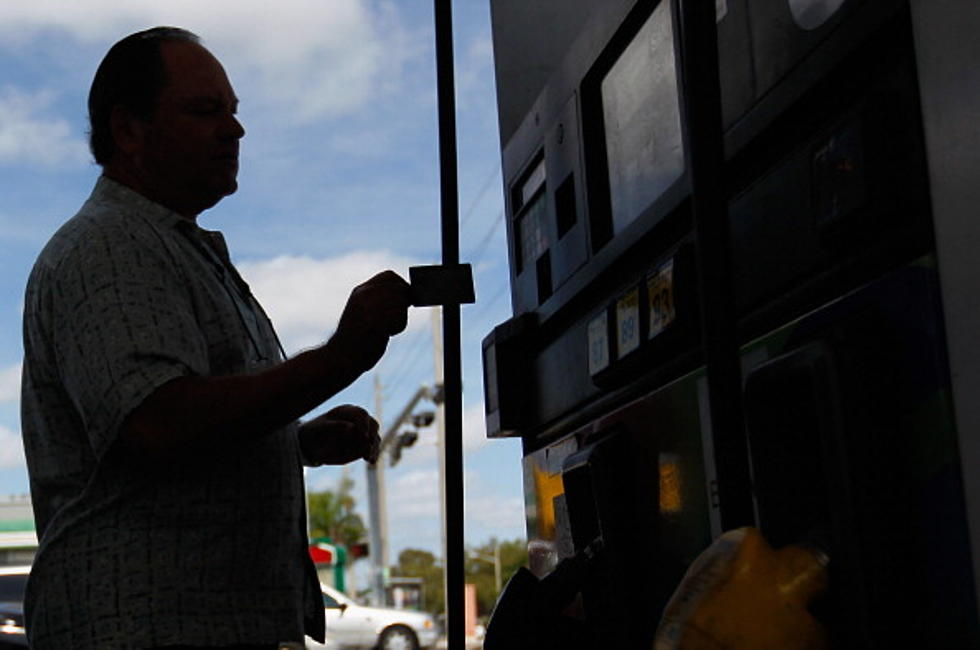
[(18, 537)]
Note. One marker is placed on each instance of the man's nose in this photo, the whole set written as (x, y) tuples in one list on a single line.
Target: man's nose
[(232, 129)]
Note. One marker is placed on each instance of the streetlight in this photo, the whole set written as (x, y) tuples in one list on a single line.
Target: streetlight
[(405, 439)]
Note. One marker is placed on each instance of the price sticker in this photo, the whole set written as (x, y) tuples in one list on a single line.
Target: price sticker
[(628, 323), (660, 293), (598, 344)]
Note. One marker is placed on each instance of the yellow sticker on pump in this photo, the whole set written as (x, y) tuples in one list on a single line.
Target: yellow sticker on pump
[(660, 294)]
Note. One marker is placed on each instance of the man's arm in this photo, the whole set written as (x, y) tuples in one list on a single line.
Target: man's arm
[(216, 412)]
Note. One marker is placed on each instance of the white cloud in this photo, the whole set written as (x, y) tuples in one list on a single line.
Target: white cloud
[(474, 428), (10, 383), (312, 58), (474, 74), (11, 448), (305, 296), (480, 49), (28, 136), (496, 514), (414, 495)]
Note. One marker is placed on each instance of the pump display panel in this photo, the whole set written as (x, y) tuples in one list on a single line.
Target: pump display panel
[(641, 115)]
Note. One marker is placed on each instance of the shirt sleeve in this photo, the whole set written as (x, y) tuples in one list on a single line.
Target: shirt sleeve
[(124, 324)]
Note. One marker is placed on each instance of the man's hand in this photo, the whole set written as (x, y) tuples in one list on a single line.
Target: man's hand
[(191, 413), (339, 436), (375, 311)]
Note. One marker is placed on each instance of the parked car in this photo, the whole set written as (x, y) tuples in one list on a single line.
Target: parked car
[(351, 626), (13, 581)]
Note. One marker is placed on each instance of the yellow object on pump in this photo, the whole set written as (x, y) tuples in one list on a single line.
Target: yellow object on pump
[(740, 594)]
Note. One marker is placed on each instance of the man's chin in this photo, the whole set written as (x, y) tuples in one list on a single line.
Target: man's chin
[(218, 193), (225, 188)]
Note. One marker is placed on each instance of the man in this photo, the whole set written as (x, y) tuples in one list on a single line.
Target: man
[(159, 417)]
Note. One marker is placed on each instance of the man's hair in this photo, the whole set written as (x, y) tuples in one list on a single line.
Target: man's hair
[(132, 75)]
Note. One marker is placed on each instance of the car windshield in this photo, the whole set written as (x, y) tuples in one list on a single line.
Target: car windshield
[(332, 598), (12, 587)]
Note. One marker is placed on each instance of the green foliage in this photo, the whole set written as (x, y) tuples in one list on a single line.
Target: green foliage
[(479, 569), (416, 563), (332, 515)]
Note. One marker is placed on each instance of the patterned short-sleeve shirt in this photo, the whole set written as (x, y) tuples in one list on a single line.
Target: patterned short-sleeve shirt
[(208, 550)]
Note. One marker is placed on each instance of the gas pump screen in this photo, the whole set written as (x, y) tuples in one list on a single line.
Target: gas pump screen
[(530, 233), (642, 120)]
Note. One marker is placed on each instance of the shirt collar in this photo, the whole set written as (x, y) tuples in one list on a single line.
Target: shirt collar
[(108, 191)]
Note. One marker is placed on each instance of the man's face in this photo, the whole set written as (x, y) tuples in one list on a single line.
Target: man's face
[(189, 150)]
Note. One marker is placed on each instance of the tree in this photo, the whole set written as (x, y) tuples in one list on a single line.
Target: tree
[(417, 563), (479, 569), (332, 515)]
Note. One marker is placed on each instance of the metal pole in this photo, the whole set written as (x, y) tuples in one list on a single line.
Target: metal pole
[(455, 603), (440, 421), (376, 513), (496, 568), (705, 142)]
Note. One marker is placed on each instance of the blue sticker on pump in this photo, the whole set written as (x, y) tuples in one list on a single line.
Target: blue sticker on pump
[(599, 344), (628, 323)]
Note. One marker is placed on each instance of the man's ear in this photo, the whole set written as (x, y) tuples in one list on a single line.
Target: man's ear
[(128, 131)]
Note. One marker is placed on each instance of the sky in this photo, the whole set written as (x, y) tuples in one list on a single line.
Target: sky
[(338, 180)]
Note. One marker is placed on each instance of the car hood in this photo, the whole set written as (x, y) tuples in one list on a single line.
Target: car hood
[(382, 617), (390, 613)]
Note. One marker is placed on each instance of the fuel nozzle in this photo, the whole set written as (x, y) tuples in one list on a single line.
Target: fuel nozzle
[(740, 594), (529, 612)]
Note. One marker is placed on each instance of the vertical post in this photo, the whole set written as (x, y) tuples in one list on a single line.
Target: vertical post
[(382, 497), (706, 164), (376, 513), (452, 386), (496, 568), (440, 421)]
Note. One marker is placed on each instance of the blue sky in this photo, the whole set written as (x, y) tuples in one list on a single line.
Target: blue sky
[(339, 179)]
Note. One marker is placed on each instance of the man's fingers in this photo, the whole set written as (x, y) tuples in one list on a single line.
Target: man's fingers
[(362, 429), (395, 321), (373, 441), (373, 450), (350, 413), (396, 296)]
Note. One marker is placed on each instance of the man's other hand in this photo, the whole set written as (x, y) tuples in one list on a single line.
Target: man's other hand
[(375, 311), (339, 436)]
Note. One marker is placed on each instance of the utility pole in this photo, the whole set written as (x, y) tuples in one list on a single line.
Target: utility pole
[(495, 561), (496, 568), (377, 499), (440, 439), (377, 510)]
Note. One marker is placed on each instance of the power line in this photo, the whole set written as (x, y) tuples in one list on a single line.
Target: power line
[(487, 304), (481, 247), (410, 354), (410, 358), (479, 195)]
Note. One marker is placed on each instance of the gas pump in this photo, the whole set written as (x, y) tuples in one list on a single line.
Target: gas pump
[(844, 434)]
